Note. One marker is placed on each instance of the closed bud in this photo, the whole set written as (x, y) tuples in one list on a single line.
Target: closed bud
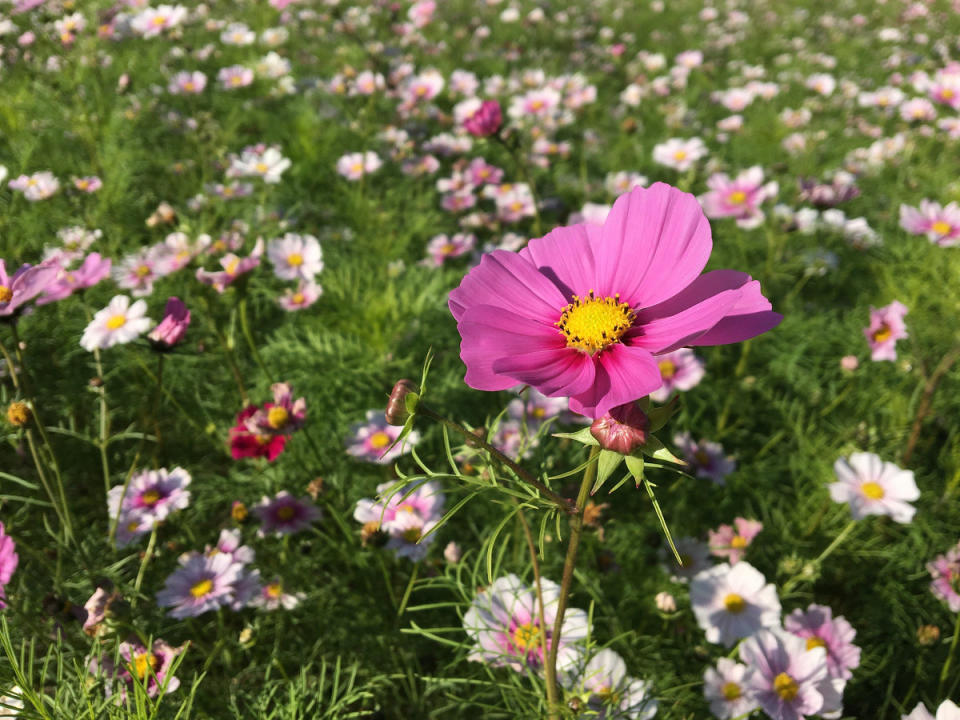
[(928, 634), (622, 430), (452, 553), (485, 121), (18, 414), (170, 331), (665, 602), (397, 412)]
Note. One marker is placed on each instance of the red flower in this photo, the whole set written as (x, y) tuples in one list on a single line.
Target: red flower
[(245, 444)]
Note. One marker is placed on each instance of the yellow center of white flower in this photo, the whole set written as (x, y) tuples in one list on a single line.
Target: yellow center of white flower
[(785, 686), (814, 642), (142, 270), (356, 168), (731, 691), (236, 80), (261, 167), (737, 197), (940, 227), (298, 298), (143, 661), (872, 490), (202, 588), (526, 636), (379, 440), (680, 155), (592, 324), (734, 603), (667, 369), (6, 294), (159, 20), (295, 259), (116, 322), (277, 417), (274, 589)]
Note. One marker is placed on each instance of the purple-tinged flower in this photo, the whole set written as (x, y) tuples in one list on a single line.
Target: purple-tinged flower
[(442, 247), (24, 285), (88, 184), (948, 710), (789, 681), (694, 559), (733, 602), (245, 588), (611, 694), (739, 197), (8, 562), (370, 439), (705, 458), (536, 409), (680, 370), (93, 269), (485, 120), (874, 487), (234, 76), (834, 634), (941, 224), (151, 667), (406, 516), (622, 430), (503, 622), (281, 417), (945, 570), (202, 583), (186, 82), (732, 543), (273, 597), (827, 195), (306, 294), (727, 689), (38, 186), (886, 327), (233, 268), (170, 331), (285, 514), (149, 498), (229, 543)]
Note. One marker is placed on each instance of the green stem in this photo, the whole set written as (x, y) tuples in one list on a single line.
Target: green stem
[(576, 528), (146, 559), (821, 557), (123, 494), (245, 328), (156, 404), (945, 672)]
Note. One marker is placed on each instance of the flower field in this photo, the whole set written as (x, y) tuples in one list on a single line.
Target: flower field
[(480, 359)]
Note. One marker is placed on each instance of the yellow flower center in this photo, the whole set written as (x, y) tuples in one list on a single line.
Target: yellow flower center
[(412, 535), (159, 20), (738, 542), (526, 636), (236, 80), (261, 167), (883, 334), (295, 259), (379, 440), (814, 642), (6, 294), (592, 324), (116, 322), (536, 105), (150, 497), (274, 590), (872, 490), (286, 512), (667, 369), (232, 266), (737, 197), (142, 271), (734, 603), (132, 526), (189, 86), (947, 93), (277, 417), (143, 661), (680, 155), (785, 686), (701, 457), (202, 588), (298, 298), (731, 691), (356, 168), (940, 227)]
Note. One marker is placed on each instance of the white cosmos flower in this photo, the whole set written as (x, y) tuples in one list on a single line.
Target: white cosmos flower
[(731, 603), (295, 256), (118, 323), (874, 487)]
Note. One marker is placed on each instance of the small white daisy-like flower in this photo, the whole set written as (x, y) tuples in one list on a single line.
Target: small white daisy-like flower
[(118, 323), (295, 257), (874, 487), (733, 602)]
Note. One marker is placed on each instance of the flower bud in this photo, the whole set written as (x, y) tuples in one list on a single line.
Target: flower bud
[(485, 121), (622, 430), (170, 331), (18, 414), (665, 602), (397, 412), (452, 553), (928, 634)]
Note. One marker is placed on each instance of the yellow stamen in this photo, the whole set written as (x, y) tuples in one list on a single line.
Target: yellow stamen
[(734, 603), (940, 227), (150, 497), (6, 294), (277, 417), (379, 440), (232, 266), (412, 535), (737, 197), (274, 589), (883, 334), (667, 369), (526, 636), (738, 542), (286, 512), (202, 588), (814, 642), (143, 661), (116, 322), (592, 324), (298, 298), (261, 167), (785, 686), (680, 155), (295, 259), (872, 490), (731, 691), (142, 271)]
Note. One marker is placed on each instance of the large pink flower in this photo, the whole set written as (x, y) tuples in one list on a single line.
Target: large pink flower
[(582, 311)]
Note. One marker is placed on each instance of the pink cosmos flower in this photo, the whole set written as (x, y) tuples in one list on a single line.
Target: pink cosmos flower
[(370, 439), (24, 285), (918, 110), (406, 516), (354, 166), (88, 184), (945, 570), (233, 267), (285, 514), (485, 120), (235, 76), (281, 417), (738, 198), (886, 327), (151, 667), (706, 459), (732, 602), (732, 543), (582, 311), (874, 487), (306, 294), (941, 224), (202, 583), (727, 689), (8, 562), (170, 331), (38, 186), (190, 83), (680, 370), (442, 247), (272, 597), (819, 628)]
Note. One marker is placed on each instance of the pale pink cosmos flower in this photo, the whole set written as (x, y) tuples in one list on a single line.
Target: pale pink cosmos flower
[(941, 224), (535, 104), (947, 92), (610, 692), (24, 285), (285, 514), (354, 166), (137, 271), (281, 417), (918, 110), (820, 628), (118, 323), (679, 154), (150, 22), (680, 370), (38, 186), (406, 514), (272, 596), (150, 666), (732, 543), (234, 76), (874, 487), (727, 689), (230, 542), (582, 312), (733, 602), (306, 294), (8, 562), (706, 459), (442, 247), (188, 83), (425, 86), (295, 257), (738, 198), (88, 184), (233, 267), (945, 570), (482, 173), (886, 327), (264, 162), (789, 682), (822, 83), (948, 710), (369, 440)]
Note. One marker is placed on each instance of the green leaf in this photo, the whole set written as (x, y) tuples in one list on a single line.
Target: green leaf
[(607, 462), (659, 416), (581, 436), (663, 522)]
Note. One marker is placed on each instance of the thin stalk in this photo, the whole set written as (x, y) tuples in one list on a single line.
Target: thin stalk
[(525, 476), (942, 367), (146, 559), (233, 366), (156, 404), (945, 672), (576, 528), (822, 556), (245, 328)]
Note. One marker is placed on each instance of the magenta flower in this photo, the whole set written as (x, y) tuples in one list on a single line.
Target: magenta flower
[(582, 311), (941, 225), (680, 370), (285, 514), (730, 543), (93, 269), (739, 197), (886, 327), (834, 634), (170, 331), (24, 285), (945, 570), (8, 562), (485, 120)]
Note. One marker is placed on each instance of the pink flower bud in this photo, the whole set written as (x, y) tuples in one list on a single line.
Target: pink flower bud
[(452, 553), (849, 362), (622, 430), (397, 412), (170, 331), (485, 121)]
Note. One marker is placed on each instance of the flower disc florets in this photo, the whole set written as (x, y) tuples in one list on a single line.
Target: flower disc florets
[(592, 324)]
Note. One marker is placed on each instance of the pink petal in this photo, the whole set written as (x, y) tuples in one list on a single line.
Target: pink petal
[(662, 334), (562, 372), (506, 280), (565, 256), (623, 374), (655, 242)]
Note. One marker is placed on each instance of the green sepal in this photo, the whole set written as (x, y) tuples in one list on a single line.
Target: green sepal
[(583, 436), (410, 401), (607, 462), (657, 450), (635, 466), (660, 416)]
